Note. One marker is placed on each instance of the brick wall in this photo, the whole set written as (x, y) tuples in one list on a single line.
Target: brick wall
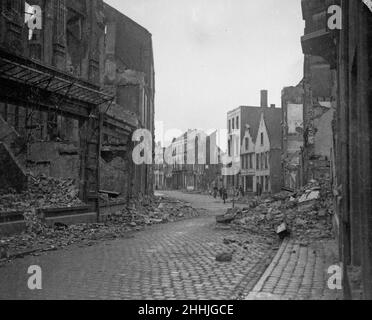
[(11, 174)]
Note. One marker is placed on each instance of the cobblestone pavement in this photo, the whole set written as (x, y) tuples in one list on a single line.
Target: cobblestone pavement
[(299, 273), (170, 261)]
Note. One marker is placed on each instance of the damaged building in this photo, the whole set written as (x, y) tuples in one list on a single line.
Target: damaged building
[(309, 108), (319, 91), (77, 79), (129, 73), (293, 136), (338, 70)]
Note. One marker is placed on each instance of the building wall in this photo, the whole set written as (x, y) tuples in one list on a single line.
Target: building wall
[(293, 135), (276, 181), (234, 122), (323, 139), (115, 176), (318, 114), (193, 162), (129, 72), (266, 174), (250, 117), (12, 175), (349, 51), (59, 160), (353, 185), (93, 42), (77, 51), (248, 162)]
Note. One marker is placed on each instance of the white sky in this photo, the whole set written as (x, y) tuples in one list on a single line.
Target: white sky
[(212, 56)]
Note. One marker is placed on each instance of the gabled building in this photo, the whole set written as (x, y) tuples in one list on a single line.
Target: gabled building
[(254, 137), (248, 156), (268, 153)]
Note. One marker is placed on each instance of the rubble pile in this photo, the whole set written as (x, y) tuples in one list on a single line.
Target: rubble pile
[(305, 215), (138, 214), (60, 236), (154, 210), (42, 192)]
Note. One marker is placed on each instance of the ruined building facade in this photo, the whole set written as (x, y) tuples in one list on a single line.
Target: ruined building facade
[(353, 176), (293, 136), (347, 50), (319, 90), (73, 92), (129, 73)]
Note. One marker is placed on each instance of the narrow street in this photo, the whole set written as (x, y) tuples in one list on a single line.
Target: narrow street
[(169, 261)]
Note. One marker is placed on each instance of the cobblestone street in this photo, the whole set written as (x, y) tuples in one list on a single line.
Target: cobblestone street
[(169, 261), (299, 273)]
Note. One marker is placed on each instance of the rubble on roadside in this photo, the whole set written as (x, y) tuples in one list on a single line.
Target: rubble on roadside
[(154, 210), (42, 192), (138, 214), (305, 215)]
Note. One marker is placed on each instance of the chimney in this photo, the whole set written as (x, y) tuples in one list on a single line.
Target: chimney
[(272, 106), (264, 98)]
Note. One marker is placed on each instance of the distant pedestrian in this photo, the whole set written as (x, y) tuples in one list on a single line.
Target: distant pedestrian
[(215, 191), (241, 191), (237, 191), (224, 195), (259, 189)]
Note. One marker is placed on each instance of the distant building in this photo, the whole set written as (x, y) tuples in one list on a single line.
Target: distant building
[(159, 172), (193, 162), (258, 146)]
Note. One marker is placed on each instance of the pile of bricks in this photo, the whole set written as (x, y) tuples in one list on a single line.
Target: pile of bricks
[(42, 192), (305, 215)]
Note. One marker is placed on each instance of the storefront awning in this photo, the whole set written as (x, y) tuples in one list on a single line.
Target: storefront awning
[(28, 72)]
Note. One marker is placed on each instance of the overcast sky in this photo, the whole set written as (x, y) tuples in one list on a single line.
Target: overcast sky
[(212, 56)]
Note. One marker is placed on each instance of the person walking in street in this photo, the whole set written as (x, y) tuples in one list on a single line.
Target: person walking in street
[(259, 190), (224, 195), (215, 191), (241, 190), (221, 192)]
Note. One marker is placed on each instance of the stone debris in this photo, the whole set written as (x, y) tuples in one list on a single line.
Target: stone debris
[(239, 245), (42, 192), (224, 257), (138, 214), (305, 215), (229, 216), (282, 231), (309, 195)]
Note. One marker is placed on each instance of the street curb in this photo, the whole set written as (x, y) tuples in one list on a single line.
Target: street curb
[(23, 254), (259, 285)]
